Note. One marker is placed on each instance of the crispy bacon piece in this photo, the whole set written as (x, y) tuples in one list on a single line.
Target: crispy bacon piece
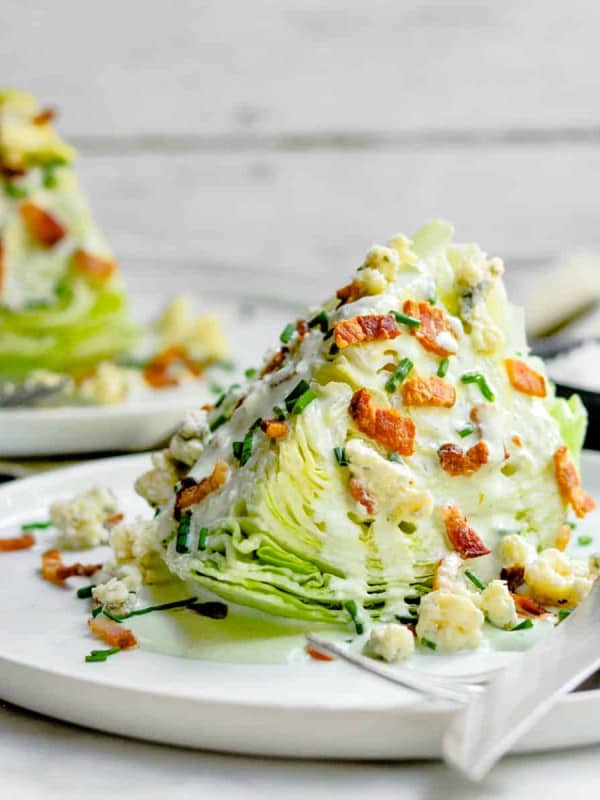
[(433, 322), (41, 225), (100, 269), (349, 293), (274, 362), (22, 542), (527, 607), (514, 577), (317, 655), (455, 461), (462, 537), (371, 328), (44, 117), (428, 391), (362, 495), (524, 379), (55, 571), (191, 492), (157, 374), (274, 428), (569, 484), (386, 425), (115, 519), (301, 329), (112, 633), (517, 441)]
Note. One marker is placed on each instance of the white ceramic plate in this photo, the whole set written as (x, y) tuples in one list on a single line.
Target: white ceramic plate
[(296, 708), (142, 422)]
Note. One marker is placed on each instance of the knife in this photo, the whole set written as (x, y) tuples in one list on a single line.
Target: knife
[(518, 696)]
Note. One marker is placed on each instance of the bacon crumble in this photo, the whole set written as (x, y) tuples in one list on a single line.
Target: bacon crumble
[(569, 484), (274, 428), (192, 492), (362, 495), (349, 293), (370, 328), (461, 536), (100, 269), (428, 391), (112, 633), (55, 571), (156, 372), (527, 607), (274, 362), (433, 322), (514, 577), (455, 461), (317, 654), (44, 117), (385, 425), (524, 379), (41, 225), (22, 542)]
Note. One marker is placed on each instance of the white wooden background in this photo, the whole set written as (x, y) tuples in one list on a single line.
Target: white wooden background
[(284, 136)]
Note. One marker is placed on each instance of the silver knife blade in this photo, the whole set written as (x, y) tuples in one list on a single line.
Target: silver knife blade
[(518, 696)]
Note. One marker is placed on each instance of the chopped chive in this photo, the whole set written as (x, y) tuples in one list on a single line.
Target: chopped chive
[(303, 401), (474, 579), (40, 526), (352, 609), (101, 655), (217, 422), (149, 609), (406, 526), (219, 402), (432, 299), (481, 381), (216, 389), (49, 180), (405, 619), (395, 457), (14, 191), (321, 320), (299, 398), (287, 333), (96, 611), (428, 643), (523, 626), (203, 536), (212, 609), (279, 413), (572, 525), (299, 389), (243, 450), (404, 319), (584, 540), (468, 429), (85, 591), (399, 374), (183, 531), (443, 367), (340, 456), (250, 373), (334, 350), (328, 335), (563, 613)]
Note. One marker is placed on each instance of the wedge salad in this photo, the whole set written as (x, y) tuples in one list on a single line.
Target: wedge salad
[(398, 468), (63, 305)]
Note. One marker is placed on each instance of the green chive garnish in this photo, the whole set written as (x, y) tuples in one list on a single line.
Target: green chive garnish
[(183, 531), (303, 401), (399, 374), (287, 333), (40, 526), (202, 538), (299, 398), (250, 373), (96, 611), (443, 367), (584, 540), (14, 191), (352, 609), (474, 579), (217, 422), (523, 626), (406, 526), (216, 389), (395, 457), (320, 320), (428, 643), (102, 655), (572, 525), (49, 177), (404, 319), (85, 591), (340, 456), (481, 381), (432, 300), (279, 413), (149, 609), (243, 450), (468, 429), (334, 350), (563, 613)]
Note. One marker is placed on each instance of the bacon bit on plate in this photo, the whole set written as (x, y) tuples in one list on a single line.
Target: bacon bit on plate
[(157, 373), (41, 225), (524, 379), (55, 571), (455, 461), (192, 492), (115, 519), (433, 322), (527, 607), (428, 391), (274, 362), (362, 495), (95, 267), (111, 632), (370, 328), (385, 425), (462, 537), (274, 428), (317, 655), (517, 441), (301, 329), (23, 542), (44, 117), (348, 294), (569, 484), (514, 577)]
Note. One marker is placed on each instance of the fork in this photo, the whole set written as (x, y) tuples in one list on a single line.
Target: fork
[(456, 688)]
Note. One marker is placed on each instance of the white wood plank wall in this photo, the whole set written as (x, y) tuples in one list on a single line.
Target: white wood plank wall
[(284, 136)]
